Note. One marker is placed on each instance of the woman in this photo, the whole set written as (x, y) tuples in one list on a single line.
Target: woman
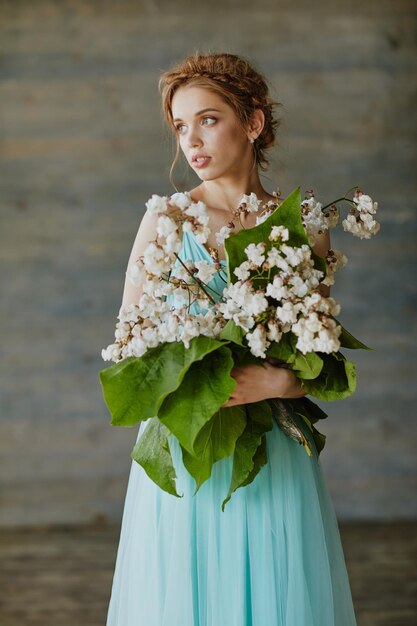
[(274, 556)]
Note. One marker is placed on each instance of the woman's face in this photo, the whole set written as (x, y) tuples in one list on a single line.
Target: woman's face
[(210, 135)]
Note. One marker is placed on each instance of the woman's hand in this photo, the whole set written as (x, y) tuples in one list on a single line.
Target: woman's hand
[(258, 382)]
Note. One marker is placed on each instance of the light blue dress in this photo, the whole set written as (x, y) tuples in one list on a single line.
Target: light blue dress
[(272, 558)]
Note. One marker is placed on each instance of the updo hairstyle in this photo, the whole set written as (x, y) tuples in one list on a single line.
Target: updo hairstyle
[(232, 77)]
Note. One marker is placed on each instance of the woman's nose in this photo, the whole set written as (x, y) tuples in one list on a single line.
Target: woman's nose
[(194, 138)]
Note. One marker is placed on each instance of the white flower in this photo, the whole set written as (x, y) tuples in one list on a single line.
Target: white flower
[(244, 320), (288, 312), (150, 336), (255, 253), (251, 203), (165, 226), (157, 204), (274, 331), (168, 331), (332, 216), (173, 243), (298, 286), (201, 233), (128, 313), (111, 353), (189, 331), (199, 211), (279, 233), (317, 334), (242, 270), (206, 270), (136, 347), (295, 256), (256, 303), (277, 289), (257, 341), (263, 217), (314, 220), (223, 234), (181, 272), (122, 331), (274, 257), (364, 202), (359, 228), (155, 260), (136, 273), (335, 260), (327, 340), (181, 199)]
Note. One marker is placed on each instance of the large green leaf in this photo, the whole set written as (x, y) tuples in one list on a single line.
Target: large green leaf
[(247, 460), (337, 379), (206, 386), (214, 442), (153, 454), (135, 388)]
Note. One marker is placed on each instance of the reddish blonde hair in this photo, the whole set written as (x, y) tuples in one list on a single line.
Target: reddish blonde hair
[(236, 81)]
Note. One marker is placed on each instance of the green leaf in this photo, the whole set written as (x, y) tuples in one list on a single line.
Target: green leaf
[(306, 407), (247, 460), (232, 332), (307, 366), (215, 441), (337, 379), (284, 350), (135, 388), (318, 437), (206, 386), (153, 454), (310, 413), (347, 340)]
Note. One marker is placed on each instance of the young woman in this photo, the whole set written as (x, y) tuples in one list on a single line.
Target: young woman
[(273, 557)]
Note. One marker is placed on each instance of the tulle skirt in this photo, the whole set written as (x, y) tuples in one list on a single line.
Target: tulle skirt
[(272, 558)]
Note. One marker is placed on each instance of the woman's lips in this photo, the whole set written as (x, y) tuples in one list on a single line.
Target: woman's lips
[(200, 162)]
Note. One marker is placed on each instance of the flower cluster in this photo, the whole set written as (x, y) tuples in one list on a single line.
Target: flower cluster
[(290, 301), (153, 320), (360, 220)]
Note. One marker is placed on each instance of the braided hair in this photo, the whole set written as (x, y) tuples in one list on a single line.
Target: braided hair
[(236, 81)]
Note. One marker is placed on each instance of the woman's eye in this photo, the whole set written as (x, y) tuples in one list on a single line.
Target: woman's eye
[(209, 118), (178, 127)]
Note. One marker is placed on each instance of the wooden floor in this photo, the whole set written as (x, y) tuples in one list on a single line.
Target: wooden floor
[(62, 576)]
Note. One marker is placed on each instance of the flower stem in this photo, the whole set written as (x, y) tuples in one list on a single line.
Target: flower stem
[(200, 283)]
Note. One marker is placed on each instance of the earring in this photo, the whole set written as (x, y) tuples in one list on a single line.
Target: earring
[(251, 139)]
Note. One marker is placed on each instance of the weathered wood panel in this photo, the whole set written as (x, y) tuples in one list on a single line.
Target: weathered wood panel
[(83, 147)]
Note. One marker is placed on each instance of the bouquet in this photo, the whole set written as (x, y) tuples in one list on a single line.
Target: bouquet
[(172, 364)]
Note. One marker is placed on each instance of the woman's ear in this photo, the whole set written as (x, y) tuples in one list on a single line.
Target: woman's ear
[(256, 123)]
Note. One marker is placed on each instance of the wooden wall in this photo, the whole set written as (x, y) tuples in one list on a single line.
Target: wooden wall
[(83, 147)]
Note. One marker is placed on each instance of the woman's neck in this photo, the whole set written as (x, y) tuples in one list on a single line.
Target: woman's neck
[(220, 195)]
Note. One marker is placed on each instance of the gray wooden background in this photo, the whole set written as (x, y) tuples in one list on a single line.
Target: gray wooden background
[(83, 147)]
